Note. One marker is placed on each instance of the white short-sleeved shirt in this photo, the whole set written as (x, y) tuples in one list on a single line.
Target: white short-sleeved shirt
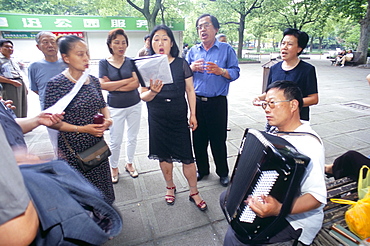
[(313, 182)]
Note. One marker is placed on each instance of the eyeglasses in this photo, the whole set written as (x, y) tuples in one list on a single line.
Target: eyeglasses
[(206, 25), (271, 104)]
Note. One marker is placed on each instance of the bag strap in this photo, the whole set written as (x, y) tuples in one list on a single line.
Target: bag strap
[(69, 147), (342, 201), (361, 178)]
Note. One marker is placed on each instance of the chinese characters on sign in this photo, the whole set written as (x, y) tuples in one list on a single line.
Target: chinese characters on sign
[(69, 23), (141, 23), (62, 23), (31, 22), (116, 23)]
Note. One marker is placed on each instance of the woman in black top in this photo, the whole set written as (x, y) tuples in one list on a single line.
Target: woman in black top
[(116, 75), (169, 134)]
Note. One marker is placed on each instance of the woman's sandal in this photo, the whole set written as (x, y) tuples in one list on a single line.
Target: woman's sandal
[(133, 174), (170, 199), (199, 205)]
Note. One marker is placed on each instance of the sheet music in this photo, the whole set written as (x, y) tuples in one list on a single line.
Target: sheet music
[(154, 67), (63, 102), (263, 186)]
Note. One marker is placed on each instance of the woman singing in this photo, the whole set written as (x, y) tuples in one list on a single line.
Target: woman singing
[(77, 131), (169, 134)]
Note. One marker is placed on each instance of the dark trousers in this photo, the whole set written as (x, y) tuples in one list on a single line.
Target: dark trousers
[(211, 115), (349, 165)]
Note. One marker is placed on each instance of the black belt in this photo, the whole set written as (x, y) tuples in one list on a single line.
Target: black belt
[(205, 99)]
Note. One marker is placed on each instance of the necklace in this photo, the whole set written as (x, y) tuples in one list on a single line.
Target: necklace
[(70, 77)]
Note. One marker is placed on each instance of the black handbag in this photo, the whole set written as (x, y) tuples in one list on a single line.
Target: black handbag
[(93, 156)]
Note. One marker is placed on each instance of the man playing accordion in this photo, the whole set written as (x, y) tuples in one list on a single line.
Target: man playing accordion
[(282, 107)]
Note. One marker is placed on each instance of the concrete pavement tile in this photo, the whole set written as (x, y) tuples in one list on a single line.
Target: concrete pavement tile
[(345, 141), (211, 195), (331, 149), (136, 228), (125, 190), (154, 185), (182, 216), (146, 164), (362, 135), (205, 235)]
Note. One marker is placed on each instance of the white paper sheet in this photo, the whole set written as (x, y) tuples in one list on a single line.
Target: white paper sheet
[(154, 67), (62, 103)]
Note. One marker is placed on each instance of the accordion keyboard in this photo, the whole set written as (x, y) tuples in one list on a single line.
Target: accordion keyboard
[(263, 186)]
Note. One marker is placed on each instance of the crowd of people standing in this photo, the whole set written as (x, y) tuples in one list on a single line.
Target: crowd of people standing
[(185, 117)]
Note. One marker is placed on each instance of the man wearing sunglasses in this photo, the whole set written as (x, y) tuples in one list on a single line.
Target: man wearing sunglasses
[(282, 108)]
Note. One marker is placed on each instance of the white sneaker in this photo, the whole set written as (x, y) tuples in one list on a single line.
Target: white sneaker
[(342, 65)]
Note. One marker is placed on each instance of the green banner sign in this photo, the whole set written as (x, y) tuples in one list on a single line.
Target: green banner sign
[(17, 22)]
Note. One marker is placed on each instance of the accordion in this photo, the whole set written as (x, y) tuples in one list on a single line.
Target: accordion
[(268, 165)]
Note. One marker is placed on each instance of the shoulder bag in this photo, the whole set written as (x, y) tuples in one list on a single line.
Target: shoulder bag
[(92, 157)]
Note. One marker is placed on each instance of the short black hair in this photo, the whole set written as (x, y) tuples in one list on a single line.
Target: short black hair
[(301, 36), (65, 43), (146, 37), (290, 88), (214, 20), (3, 41), (174, 52)]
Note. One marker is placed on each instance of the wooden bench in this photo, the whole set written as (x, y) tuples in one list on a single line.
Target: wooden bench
[(353, 62), (344, 188)]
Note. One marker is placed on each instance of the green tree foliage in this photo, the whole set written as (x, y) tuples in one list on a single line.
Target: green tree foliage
[(43, 7), (358, 11)]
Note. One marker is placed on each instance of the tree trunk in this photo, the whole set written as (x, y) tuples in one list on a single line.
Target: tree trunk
[(150, 17), (241, 35), (364, 36), (258, 44), (320, 42)]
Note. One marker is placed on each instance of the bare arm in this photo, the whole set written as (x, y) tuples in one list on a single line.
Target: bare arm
[(28, 124), (305, 203), (120, 85), (190, 93), (148, 94), (312, 99), (271, 207), (27, 223), (10, 81), (258, 99)]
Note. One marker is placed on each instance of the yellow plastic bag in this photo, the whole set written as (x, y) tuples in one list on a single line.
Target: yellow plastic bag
[(363, 184), (357, 216)]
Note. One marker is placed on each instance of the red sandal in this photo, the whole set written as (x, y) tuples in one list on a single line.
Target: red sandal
[(199, 205), (170, 199)]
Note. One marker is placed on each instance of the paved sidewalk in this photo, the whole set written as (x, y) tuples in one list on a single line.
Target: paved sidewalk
[(342, 119)]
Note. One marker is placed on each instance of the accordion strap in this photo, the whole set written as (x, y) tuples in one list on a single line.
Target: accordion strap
[(278, 133)]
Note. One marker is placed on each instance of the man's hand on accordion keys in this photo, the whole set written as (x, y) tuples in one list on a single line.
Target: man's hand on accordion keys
[(264, 206)]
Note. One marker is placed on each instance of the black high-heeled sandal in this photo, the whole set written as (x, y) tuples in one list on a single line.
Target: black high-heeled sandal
[(170, 199), (199, 205)]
